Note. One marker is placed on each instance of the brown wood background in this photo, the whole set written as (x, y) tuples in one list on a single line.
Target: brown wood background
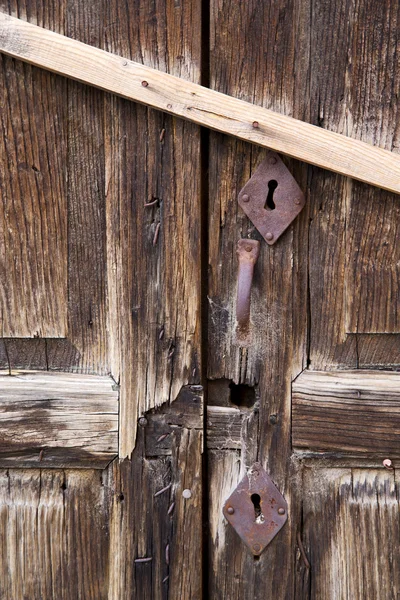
[(99, 283)]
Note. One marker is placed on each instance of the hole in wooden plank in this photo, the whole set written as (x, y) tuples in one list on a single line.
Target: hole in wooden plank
[(242, 395)]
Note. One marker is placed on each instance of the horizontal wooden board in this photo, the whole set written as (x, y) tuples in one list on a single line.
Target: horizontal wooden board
[(201, 105), (57, 419), (356, 412)]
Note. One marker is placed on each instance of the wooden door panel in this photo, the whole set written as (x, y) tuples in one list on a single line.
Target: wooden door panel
[(253, 56), (57, 419), (54, 534), (347, 412), (350, 534), (33, 221), (132, 311)]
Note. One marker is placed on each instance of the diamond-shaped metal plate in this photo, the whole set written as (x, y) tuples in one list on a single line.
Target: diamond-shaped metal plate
[(287, 198), (256, 521)]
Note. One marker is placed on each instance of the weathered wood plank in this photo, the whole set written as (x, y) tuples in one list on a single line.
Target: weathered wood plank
[(355, 412), (200, 105), (350, 524), (156, 506), (33, 215), (153, 251), (360, 292), (253, 55), (53, 540), (86, 347), (372, 234), (52, 419)]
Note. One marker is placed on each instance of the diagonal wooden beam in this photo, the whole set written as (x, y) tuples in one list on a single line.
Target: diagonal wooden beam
[(203, 106)]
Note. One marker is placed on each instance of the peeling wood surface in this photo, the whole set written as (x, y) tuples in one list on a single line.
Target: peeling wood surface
[(198, 104), (355, 412), (57, 420)]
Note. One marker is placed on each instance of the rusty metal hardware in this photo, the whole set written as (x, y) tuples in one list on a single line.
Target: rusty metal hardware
[(256, 509), (247, 251), (272, 198)]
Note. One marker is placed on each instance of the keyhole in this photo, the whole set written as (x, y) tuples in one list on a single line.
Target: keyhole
[(255, 498), (272, 185)]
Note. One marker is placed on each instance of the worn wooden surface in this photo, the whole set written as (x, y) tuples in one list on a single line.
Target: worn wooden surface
[(54, 535), (353, 233), (253, 56), (156, 512), (354, 412), (57, 419), (153, 252), (33, 249), (350, 524), (198, 104), (325, 297)]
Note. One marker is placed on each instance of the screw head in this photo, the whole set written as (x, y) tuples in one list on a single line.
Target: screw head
[(269, 236), (145, 83), (187, 494), (143, 421), (281, 511), (272, 160), (245, 197), (230, 510), (256, 547), (255, 124), (387, 463)]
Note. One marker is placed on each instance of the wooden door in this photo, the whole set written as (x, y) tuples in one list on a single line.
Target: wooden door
[(129, 411)]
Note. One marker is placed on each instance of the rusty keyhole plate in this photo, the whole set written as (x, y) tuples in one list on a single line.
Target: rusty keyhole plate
[(271, 179), (256, 509)]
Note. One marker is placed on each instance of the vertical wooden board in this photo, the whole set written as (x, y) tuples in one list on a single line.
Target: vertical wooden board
[(358, 293), (253, 54), (154, 251), (33, 216), (329, 193), (53, 535), (86, 347), (373, 227), (156, 506), (350, 533)]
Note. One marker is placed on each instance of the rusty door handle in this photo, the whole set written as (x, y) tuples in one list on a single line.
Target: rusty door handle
[(247, 251)]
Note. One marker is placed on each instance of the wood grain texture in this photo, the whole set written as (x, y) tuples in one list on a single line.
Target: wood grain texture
[(54, 534), (373, 217), (353, 252), (252, 55), (200, 105), (33, 215), (353, 412), (54, 419), (153, 251), (350, 534), (150, 515)]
